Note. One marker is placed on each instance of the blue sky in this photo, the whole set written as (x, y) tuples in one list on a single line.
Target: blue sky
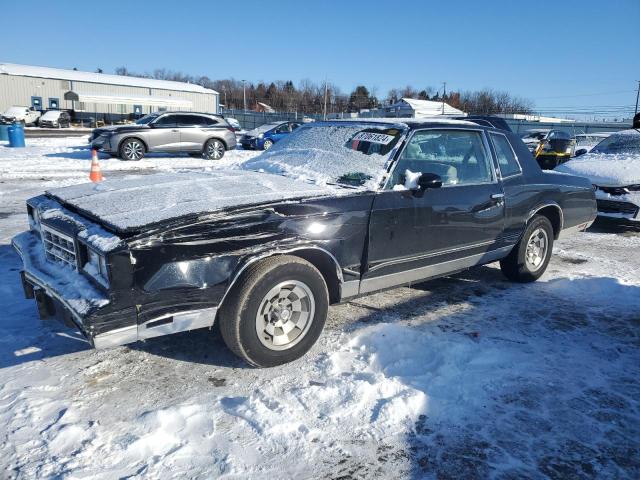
[(562, 55)]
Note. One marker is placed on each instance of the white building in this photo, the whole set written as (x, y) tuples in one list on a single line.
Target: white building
[(98, 95), (410, 107)]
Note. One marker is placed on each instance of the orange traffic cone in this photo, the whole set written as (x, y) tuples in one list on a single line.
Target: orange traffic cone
[(95, 175)]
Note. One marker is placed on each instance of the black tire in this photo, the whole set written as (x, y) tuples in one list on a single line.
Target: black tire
[(518, 266), (267, 144), (214, 149), (239, 320), (131, 149)]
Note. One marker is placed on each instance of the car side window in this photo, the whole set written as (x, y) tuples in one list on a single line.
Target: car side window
[(166, 121), (457, 156), (191, 121), (506, 156), (294, 126), (208, 121), (283, 128)]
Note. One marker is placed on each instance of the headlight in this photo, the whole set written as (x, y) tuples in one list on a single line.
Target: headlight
[(96, 266), (261, 135)]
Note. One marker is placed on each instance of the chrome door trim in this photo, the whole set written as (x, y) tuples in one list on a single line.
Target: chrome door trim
[(515, 155), (430, 271), (423, 256)]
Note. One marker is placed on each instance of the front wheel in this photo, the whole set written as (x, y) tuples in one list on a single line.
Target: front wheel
[(214, 149), (131, 149), (529, 258), (267, 144), (275, 312)]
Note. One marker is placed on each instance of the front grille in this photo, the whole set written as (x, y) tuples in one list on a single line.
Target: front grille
[(610, 206), (59, 247)]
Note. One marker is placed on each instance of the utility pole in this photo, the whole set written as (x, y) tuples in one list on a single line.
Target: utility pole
[(637, 97), (326, 88), (244, 94), (444, 94)]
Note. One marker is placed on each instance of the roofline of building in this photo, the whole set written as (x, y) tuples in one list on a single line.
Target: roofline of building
[(109, 79)]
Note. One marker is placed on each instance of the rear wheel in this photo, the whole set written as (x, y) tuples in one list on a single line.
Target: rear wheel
[(214, 149), (131, 149), (529, 258), (276, 311)]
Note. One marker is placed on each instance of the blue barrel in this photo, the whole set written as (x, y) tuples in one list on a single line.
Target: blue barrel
[(16, 135), (4, 133)]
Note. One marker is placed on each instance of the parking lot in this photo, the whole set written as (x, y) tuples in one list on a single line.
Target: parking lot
[(468, 376)]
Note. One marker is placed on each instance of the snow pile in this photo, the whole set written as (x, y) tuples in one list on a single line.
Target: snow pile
[(608, 170)]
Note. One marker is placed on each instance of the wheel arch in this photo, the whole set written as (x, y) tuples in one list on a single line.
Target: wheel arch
[(320, 258), (553, 212)]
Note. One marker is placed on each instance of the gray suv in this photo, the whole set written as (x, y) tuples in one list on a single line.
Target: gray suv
[(198, 134)]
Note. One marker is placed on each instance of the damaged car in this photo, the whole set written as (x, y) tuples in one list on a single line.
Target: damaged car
[(336, 210), (613, 167)]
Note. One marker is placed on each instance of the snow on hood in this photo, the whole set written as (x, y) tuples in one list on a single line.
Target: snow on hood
[(132, 203), (607, 170)]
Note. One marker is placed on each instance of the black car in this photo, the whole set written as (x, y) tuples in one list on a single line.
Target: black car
[(334, 211)]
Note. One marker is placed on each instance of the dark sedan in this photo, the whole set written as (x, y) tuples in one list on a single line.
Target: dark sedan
[(334, 211)]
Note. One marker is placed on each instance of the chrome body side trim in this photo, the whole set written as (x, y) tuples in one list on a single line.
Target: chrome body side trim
[(115, 338), (429, 271), (430, 255), (578, 228), (180, 322), (350, 289)]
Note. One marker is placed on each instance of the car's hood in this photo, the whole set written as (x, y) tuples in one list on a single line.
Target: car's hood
[(607, 170), (128, 205)]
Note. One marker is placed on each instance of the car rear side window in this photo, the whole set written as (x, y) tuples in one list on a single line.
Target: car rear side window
[(506, 156), (166, 121), (192, 121), (457, 156)]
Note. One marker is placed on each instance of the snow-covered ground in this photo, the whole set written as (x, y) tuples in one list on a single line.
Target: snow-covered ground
[(463, 377)]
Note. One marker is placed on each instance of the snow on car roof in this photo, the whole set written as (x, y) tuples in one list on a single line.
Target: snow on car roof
[(77, 76), (407, 121), (135, 202)]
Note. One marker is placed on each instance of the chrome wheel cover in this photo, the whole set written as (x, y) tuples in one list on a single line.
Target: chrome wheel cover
[(215, 150), (133, 150), (267, 144), (285, 315), (536, 251)]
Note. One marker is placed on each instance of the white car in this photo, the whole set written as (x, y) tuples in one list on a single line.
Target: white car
[(613, 166), (25, 115), (586, 141)]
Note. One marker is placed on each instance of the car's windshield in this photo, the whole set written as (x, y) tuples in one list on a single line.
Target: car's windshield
[(625, 142), (147, 119), (348, 154), (51, 115)]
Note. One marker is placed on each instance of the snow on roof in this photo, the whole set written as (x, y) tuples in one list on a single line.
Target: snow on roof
[(427, 108), (77, 76), (405, 121)]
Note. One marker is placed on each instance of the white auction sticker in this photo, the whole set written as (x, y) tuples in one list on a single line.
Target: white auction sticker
[(371, 137)]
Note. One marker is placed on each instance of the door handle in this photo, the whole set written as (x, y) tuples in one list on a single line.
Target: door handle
[(497, 196), (176, 130)]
